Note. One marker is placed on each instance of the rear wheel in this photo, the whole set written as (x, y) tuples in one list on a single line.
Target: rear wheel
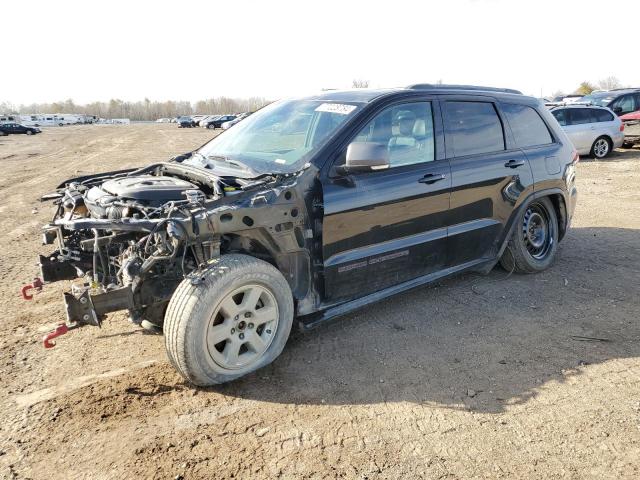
[(534, 241), (235, 319), (601, 147)]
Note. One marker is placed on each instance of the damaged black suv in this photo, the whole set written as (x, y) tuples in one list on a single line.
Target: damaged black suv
[(308, 209)]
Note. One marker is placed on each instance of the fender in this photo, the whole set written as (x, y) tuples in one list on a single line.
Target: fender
[(562, 217)]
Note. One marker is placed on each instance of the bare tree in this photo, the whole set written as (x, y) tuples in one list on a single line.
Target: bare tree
[(359, 83), (609, 83)]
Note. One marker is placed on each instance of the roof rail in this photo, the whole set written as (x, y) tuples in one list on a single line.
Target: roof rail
[(425, 86), (623, 88)]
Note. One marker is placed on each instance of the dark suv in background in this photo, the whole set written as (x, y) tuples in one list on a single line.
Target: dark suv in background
[(309, 209), (621, 101)]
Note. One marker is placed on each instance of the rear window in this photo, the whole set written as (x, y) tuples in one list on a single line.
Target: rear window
[(580, 116), (526, 125), (601, 115), (475, 128)]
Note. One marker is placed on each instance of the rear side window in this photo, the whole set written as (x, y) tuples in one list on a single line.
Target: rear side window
[(580, 116), (475, 128), (601, 115), (528, 128)]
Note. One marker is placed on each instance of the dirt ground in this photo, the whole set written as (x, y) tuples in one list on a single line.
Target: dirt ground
[(492, 376)]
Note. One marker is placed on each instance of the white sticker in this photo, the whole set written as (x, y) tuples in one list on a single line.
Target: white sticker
[(280, 160), (341, 108)]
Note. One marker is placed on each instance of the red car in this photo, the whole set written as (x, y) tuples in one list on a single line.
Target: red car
[(631, 128)]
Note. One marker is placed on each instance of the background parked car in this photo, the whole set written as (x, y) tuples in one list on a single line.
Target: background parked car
[(631, 129), (185, 122), (621, 101), (203, 122), (9, 128), (217, 123), (593, 130), (567, 98), (238, 119)]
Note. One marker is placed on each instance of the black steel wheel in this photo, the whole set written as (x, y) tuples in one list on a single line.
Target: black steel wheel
[(534, 241)]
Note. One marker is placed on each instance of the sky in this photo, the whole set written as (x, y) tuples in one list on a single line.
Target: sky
[(192, 50)]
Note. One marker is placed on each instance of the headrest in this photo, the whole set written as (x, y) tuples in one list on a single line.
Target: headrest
[(419, 128)]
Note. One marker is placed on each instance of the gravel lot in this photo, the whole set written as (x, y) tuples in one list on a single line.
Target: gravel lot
[(491, 376)]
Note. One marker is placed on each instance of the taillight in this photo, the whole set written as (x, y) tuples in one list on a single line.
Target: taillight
[(622, 127), (575, 157)]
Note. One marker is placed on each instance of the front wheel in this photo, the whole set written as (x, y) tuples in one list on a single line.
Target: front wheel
[(234, 318), (534, 241), (601, 147), (29, 132)]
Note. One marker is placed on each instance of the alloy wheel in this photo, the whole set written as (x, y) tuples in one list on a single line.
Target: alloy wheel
[(601, 148), (242, 327)]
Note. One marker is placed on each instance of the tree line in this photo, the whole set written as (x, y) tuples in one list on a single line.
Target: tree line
[(142, 110)]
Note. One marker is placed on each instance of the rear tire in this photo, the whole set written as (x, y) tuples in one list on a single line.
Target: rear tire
[(235, 319), (601, 147), (534, 241)]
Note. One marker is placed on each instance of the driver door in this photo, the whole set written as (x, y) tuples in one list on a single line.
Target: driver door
[(385, 227)]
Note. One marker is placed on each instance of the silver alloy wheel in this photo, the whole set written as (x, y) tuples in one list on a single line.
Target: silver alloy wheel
[(242, 327), (601, 148)]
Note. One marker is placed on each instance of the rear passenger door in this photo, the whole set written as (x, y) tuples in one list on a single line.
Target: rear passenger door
[(580, 128), (489, 175)]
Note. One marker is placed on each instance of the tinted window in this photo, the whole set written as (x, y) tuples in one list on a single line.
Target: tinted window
[(406, 130), (601, 115), (474, 127), (526, 125), (580, 116), (561, 116), (626, 104)]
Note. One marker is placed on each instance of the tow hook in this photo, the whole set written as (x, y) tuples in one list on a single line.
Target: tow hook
[(35, 285), (58, 331)]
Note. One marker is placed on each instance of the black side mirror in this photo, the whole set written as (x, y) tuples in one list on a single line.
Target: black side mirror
[(365, 157), (617, 109)]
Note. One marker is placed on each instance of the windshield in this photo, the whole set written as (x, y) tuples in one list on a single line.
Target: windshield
[(279, 138), (602, 100)]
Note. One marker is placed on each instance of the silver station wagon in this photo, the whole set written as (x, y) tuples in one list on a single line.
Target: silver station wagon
[(593, 130)]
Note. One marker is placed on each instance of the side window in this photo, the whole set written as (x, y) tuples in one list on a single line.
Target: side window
[(475, 128), (528, 128), (406, 130), (580, 116), (601, 115), (626, 104), (561, 116)]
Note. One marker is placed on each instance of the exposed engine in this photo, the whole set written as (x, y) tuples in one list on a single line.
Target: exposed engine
[(133, 236)]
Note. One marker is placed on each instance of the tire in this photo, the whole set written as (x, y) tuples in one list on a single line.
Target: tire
[(534, 241), (209, 336), (29, 132), (211, 127), (601, 147)]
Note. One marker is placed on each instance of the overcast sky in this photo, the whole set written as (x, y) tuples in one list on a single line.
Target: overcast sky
[(188, 50)]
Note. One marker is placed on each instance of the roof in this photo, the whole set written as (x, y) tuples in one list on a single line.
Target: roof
[(366, 95)]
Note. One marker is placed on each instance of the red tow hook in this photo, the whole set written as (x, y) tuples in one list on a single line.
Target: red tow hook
[(36, 284), (59, 330)]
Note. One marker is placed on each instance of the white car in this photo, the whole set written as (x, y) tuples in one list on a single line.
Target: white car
[(593, 130)]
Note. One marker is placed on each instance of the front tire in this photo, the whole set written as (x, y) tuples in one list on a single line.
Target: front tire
[(601, 147), (534, 241), (230, 320), (29, 132)]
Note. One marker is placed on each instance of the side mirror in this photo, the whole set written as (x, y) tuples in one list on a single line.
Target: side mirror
[(365, 157), (617, 109)]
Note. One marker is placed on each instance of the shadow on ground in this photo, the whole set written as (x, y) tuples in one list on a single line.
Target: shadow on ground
[(471, 342)]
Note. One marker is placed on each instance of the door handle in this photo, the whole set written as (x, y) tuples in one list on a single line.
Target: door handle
[(514, 163), (430, 178)]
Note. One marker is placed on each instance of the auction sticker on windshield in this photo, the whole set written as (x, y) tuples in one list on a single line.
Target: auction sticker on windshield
[(341, 108)]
